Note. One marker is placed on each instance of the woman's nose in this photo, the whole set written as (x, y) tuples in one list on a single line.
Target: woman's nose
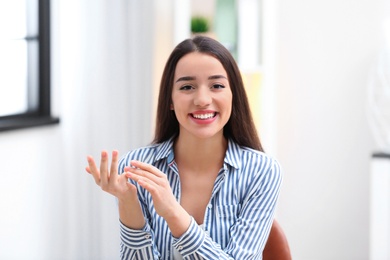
[(202, 97)]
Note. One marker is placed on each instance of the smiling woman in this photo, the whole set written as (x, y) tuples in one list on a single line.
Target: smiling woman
[(204, 188), (25, 64)]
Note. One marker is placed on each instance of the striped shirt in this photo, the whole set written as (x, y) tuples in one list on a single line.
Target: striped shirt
[(237, 219)]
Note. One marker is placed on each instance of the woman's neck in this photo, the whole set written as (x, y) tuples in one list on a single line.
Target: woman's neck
[(200, 153)]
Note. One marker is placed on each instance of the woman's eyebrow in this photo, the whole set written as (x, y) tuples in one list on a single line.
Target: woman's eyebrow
[(189, 78), (217, 77), (186, 78)]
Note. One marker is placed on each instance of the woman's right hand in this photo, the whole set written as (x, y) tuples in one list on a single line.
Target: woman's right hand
[(108, 179)]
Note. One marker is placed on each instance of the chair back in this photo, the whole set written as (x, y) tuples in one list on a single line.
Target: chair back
[(277, 247)]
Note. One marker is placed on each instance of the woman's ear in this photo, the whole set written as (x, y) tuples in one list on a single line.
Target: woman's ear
[(171, 107)]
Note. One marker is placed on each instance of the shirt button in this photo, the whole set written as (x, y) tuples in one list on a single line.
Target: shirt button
[(147, 236), (209, 206), (180, 248)]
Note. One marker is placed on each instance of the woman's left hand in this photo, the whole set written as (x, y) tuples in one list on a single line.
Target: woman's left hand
[(156, 183)]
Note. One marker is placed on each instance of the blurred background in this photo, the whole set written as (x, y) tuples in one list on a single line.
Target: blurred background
[(306, 64)]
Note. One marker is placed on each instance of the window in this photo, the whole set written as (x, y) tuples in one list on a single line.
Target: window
[(25, 64)]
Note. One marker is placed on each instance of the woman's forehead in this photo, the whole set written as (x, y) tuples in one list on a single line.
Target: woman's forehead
[(199, 63)]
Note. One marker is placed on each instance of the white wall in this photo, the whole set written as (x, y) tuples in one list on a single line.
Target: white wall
[(325, 50), (103, 77), (102, 92)]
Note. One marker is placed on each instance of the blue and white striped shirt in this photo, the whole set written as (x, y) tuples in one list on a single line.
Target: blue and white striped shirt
[(237, 219)]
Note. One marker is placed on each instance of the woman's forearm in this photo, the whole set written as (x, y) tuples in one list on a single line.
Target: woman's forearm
[(130, 214)]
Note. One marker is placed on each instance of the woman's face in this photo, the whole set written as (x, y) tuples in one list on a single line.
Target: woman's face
[(201, 95)]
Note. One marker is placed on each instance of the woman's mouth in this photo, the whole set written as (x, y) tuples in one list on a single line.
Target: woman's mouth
[(204, 116)]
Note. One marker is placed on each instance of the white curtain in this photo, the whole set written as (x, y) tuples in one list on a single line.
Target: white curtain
[(103, 53), (102, 79)]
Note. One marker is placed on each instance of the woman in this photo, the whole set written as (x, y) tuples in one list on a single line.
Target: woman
[(204, 189)]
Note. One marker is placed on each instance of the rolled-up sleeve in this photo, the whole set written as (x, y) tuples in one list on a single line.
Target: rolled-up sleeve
[(137, 244)]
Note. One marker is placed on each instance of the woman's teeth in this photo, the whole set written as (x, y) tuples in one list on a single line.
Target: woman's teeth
[(203, 116)]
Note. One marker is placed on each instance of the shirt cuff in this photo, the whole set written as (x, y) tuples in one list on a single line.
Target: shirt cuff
[(191, 240), (136, 238)]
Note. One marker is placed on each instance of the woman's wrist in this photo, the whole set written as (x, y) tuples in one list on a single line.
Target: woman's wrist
[(178, 222)]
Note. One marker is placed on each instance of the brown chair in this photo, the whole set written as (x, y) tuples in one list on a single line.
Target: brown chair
[(277, 247)]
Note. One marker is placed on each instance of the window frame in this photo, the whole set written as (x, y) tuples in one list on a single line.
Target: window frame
[(42, 115)]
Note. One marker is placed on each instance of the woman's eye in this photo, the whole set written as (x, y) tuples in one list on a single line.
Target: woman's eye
[(186, 87), (218, 86)]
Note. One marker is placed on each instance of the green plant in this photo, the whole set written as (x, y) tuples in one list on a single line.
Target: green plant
[(199, 24)]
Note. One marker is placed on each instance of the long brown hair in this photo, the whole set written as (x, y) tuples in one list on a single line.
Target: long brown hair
[(240, 127)]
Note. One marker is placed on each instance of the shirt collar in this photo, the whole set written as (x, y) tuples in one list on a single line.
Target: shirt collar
[(232, 156), (165, 150)]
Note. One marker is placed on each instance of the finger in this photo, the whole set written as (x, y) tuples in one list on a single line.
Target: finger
[(154, 189), (131, 187), (148, 168), (127, 168), (139, 174), (92, 169), (114, 164), (104, 168), (144, 182), (148, 171), (92, 165)]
